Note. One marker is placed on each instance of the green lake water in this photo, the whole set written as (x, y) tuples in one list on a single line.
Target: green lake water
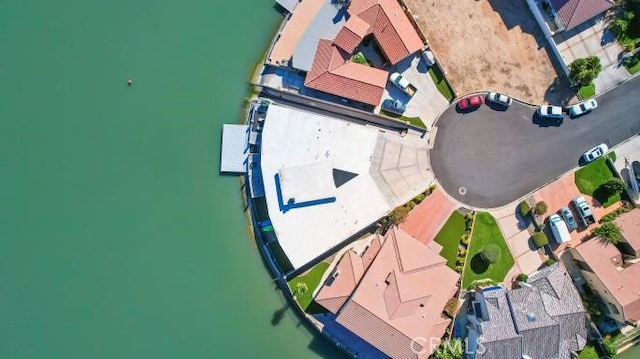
[(118, 238)]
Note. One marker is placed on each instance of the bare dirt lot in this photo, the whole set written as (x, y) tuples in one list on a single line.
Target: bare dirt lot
[(489, 45)]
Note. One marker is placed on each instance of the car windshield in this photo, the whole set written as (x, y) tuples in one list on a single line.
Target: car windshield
[(583, 107)]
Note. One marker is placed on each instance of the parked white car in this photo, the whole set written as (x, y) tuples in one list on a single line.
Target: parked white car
[(559, 229), (499, 98), (583, 107), (595, 152), (547, 111)]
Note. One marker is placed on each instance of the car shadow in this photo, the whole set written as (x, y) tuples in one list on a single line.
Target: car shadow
[(466, 110), (546, 122), (560, 92), (496, 106)]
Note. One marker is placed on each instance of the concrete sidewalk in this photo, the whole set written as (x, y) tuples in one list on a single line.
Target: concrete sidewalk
[(518, 238)]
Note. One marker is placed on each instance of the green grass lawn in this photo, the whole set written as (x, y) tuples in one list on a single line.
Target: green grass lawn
[(416, 121), (486, 231), (449, 238), (634, 65), (438, 78), (588, 91), (591, 176), (312, 280), (589, 352), (635, 68), (359, 58)]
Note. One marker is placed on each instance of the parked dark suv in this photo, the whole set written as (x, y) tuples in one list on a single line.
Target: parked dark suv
[(636, 169)]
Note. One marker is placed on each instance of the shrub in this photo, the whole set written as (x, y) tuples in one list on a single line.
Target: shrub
[(468, 222), (549, 262), (398, 215), (610, 232), (540, 239), (522, 277), (540, 208), (460, 261), (610, 347), (419, 198), (585, 70), (490, 253), (613, 186), (459, 269), (481, 283), (524, 209), (462, 252), (593, 305), (613, 215), (465, 240), (452, 307), (359, 59), (450, 349), (410, 205)]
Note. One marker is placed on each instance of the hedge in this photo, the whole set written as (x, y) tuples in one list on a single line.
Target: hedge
[(524, 208), (540, 239)]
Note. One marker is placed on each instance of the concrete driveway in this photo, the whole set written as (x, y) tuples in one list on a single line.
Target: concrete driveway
[(625, 155), (559, 194), (592, 38), (428, 102), (426, 219), (488, 158)]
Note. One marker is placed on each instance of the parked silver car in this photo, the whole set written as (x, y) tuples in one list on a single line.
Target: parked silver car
[(583, 107), (569, 219), (499, 98)]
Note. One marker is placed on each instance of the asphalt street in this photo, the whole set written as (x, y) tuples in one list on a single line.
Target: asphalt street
[(490, 157)]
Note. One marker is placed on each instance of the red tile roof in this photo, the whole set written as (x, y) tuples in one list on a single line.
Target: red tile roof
[(390, 26), (337, 289), (574, 12), (630, 226), (623, 284), (351, 34), (401, 297), (333, 73)]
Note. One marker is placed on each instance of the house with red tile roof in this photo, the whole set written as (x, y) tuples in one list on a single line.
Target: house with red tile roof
[(629, 224), (613, 275), (572, 13), (333, 72), (396, 302)]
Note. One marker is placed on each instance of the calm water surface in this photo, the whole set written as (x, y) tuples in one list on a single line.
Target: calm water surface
[(118, 238)]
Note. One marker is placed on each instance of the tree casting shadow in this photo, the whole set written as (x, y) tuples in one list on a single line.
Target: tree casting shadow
[(479, 265)]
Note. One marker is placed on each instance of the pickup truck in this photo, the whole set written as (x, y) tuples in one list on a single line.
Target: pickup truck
[(394, 106), (402, 83), (584, 211)]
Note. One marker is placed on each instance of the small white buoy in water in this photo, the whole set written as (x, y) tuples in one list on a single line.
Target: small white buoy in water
[(129, 82)]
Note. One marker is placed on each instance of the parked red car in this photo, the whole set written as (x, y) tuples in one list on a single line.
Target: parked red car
[(469, 102)]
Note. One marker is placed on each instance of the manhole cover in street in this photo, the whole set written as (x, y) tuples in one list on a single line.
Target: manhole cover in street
[(462, 191)]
